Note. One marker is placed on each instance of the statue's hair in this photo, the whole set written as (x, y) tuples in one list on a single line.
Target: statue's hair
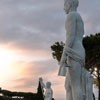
[(49, 83), (74, 3)]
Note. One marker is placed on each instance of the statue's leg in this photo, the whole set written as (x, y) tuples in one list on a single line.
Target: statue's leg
[(75, 80), (68, 89)]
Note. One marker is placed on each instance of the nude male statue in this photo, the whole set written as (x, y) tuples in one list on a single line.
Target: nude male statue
[(74, 53)]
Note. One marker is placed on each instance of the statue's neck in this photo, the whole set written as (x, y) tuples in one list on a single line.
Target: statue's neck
[(73, 9)]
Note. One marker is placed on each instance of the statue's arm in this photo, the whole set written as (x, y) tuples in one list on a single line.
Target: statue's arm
[(70, 26), (43, 85)]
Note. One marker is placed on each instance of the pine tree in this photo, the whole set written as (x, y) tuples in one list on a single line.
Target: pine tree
[(40, 95)]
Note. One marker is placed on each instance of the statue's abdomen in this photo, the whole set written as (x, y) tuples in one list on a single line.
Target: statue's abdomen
[(78, 48)]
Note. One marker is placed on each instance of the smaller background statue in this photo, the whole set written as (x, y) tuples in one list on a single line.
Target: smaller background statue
[(48, 94)]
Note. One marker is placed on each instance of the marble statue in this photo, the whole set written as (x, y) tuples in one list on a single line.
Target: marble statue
[(78, 83), (48, 90)]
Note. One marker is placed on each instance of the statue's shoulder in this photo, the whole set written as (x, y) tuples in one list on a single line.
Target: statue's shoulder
[(73, 15)]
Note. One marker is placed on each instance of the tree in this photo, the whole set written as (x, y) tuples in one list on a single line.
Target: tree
[(92, 47), (40, 95), (26, 95), (57, 49)]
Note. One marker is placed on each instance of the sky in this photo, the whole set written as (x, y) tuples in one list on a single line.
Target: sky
[(27, 30)]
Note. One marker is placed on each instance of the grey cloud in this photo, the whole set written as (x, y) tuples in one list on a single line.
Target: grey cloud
[(27, 23), (90, 13), (37, 25), (46, 16)]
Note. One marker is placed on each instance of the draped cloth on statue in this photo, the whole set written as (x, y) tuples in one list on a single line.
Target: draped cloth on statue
[(73, 55), (86, 78)]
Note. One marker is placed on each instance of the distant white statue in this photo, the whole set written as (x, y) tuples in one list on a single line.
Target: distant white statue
[(78, 83), (48, 91)]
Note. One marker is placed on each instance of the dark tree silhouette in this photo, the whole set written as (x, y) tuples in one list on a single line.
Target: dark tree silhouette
[(92, 47), (57, 50), (8, 95), (40, 95)]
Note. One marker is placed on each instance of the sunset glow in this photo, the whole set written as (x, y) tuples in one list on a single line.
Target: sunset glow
[(7, 57)]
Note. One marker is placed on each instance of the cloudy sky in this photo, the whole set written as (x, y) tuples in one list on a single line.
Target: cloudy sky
[(27, 30)]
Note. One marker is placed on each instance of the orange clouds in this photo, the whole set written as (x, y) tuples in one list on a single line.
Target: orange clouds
[(24, 72), (26, 76)]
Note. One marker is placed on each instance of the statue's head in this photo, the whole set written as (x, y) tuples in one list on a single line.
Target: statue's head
[(70, 5), (48, 84), (40, 79)]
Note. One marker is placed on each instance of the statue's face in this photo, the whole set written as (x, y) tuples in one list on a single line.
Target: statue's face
[(66, 6)]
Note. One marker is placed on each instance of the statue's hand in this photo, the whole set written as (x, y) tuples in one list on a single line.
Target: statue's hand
[(64, 62), (63, 59)]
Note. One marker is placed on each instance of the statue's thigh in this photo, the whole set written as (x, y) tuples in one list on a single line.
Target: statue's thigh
[(75, 71), (67, 83)]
